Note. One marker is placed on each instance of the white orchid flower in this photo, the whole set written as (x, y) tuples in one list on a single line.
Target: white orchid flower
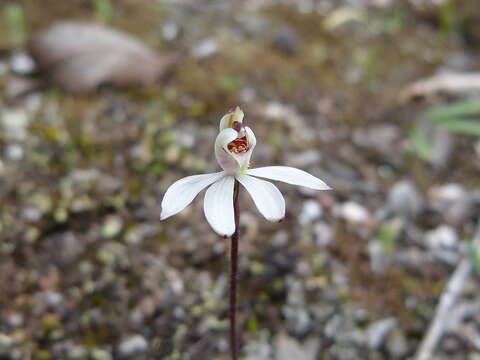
[(233, 148)]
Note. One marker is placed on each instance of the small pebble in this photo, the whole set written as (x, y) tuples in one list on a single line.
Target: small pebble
[(205, 48), (170, 31), (404, 200), (443, 236), (100, 354), (323, 234), (378, 331), (353, 213), (22, 63), (286, 41), (15, 122), (397, 345), (311, 211), (132, 346), (5, 341)]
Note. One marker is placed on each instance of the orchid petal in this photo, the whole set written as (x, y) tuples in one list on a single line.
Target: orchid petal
[(252, 142), (218, 206), (266, 196), (224, 157), (225, 137), (289, 175), (183, 191), (234, 115)]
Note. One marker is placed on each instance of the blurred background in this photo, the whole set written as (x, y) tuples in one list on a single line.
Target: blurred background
[(379, 98)]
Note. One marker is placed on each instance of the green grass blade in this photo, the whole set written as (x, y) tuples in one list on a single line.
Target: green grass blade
[(460, 109), (420, 143), (460, 126)]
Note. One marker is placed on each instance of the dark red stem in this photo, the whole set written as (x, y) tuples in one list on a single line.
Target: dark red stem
[(234, 275)]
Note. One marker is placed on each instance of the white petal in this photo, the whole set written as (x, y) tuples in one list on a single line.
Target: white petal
[(290, 175), (266, 196), (183, 191), (252, 140), (224, 157), (218, 206)]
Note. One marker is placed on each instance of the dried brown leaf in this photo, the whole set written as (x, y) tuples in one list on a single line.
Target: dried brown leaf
[(450, 83), (78, 57)]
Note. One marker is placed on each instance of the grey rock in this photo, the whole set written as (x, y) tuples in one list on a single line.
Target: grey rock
[(379, 137), (287, 348), (310, 212), (69, 350), (71, 247), (170, 31), (14, 123), (378, 332), (449, 193), (52, 298), (205, 48), (323, 234), (259, 348), (403, 200), (461, 314), (77, 352), (442, 237), (299, 320), (397, 345), (453, 202), (341, 352), (136, 234), (353, 213), (132, 346), (14, 319), (14, 152), (17, 85), (342, 329), (22, 63), (6, 341), (286, 41), (280, 239), (100, 354)]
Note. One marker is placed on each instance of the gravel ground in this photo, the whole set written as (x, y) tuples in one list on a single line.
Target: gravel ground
[(87, 270)]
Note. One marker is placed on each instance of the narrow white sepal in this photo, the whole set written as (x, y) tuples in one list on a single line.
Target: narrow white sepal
[(266, 196), (289, 175), (183, 191), (218, 206)]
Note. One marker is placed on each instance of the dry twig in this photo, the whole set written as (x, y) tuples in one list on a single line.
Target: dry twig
[(448, 299)]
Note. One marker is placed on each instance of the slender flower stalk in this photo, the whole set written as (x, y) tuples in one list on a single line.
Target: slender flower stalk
[(233, 149), (234, 274)]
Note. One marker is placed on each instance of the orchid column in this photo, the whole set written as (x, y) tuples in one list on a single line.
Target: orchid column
[(233, 149)]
